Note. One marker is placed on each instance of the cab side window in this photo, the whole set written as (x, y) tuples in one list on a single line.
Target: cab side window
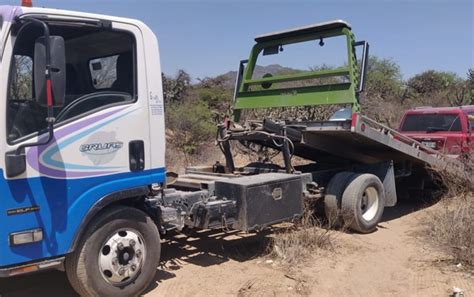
[(100, 73)]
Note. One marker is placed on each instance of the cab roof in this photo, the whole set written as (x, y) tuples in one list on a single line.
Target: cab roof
[(429, 109), (314, 28), (11, 12)]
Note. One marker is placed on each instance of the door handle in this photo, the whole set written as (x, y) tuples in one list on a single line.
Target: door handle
[(136, 149)]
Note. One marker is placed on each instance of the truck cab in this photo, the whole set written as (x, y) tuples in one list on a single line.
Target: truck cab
[(446, 129), (81, 128)]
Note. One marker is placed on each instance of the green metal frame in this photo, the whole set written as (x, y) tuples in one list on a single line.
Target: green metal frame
[(340, 93)]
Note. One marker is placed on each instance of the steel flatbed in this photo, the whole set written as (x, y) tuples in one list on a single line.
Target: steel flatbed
[(367, 141)]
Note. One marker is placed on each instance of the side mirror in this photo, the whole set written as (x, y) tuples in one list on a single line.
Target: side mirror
[(58, 70), (365, 62)]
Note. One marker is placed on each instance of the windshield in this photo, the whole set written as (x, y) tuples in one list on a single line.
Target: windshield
[(343, 114), (431, 123)]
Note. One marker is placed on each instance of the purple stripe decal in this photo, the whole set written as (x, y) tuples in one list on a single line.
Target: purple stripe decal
[(34, 153), (9, 13)]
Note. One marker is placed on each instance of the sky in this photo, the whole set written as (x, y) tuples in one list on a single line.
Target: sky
[(210, 37)]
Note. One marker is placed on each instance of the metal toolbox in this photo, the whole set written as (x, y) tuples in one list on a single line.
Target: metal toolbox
[(263, 199)]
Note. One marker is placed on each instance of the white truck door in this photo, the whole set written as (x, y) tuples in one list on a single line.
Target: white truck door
[(101, 139)]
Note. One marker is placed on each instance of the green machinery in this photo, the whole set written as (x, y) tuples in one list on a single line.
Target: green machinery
[(266, 96)]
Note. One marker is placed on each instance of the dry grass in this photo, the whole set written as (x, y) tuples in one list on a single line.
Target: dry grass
[(451, 227), (177, 161), (294, 244), (451, 224), (454, 185)]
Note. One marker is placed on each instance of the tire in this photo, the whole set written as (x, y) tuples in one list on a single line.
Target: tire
[(122, 242), (363, 202), (333, 197)]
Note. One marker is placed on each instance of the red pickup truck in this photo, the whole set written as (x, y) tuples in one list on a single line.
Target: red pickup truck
[(447, 129)]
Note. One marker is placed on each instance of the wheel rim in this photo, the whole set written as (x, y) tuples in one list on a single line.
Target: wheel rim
[(122, 256), (369, 203)]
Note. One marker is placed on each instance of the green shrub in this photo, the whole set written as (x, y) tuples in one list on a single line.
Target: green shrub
[(191, 123)]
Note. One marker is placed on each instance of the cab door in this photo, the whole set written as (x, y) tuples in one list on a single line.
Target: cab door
[(101, 135)]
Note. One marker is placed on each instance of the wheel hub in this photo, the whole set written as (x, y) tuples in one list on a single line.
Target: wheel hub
[(122, 256), (126, 255), (369, 203)]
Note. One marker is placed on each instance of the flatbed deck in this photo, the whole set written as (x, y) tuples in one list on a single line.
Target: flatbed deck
[(360, 140)]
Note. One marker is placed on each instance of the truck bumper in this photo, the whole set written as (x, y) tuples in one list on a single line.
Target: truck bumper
[(31, 267)]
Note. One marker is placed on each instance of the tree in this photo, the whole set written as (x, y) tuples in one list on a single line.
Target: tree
[(215, 92), (175, 88), (431, 82), (459, 93), (384, 80), (21, 87), (191, 123), (470, 84), (441, 88), (384, 91), (188, 119), (470, 78)]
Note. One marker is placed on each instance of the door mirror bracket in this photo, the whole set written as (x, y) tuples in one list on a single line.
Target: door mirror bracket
[(50, 85)]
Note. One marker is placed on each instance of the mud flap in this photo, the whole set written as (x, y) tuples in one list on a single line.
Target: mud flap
[(385, 172)]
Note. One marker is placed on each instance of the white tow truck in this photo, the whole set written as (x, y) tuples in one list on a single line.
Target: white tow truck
[(82, 172)]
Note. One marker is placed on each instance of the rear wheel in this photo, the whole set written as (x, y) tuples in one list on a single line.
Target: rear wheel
[(333, 197), (363, 202), (118, 256)]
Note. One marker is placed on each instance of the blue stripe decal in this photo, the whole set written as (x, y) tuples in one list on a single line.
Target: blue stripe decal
[(63, 205), (48, 155)]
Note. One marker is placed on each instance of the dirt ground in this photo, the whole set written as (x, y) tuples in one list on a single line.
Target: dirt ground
[(393, 261)]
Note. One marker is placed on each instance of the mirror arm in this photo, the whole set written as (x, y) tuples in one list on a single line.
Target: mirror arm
[(20, 148), (47, 45), (50, 119)]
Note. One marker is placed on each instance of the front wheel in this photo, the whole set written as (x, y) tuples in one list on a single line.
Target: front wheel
[(118, 255)]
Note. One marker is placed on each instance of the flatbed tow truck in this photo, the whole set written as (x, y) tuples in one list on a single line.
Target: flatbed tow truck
[(83, 174)]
